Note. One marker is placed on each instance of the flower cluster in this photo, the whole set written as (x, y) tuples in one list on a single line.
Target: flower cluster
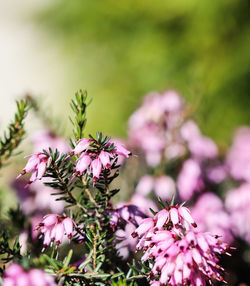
[(179, 254), (95, 158), (15, 276), (174, 216), (53, 228)]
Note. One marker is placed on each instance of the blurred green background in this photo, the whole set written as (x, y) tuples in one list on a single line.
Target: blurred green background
[(120, 50)]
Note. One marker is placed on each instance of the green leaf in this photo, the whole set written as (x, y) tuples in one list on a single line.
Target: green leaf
[(68, 258)]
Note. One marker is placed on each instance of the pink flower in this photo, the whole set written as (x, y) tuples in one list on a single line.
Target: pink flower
[(120, 149), (203, 147), (53, 227), (189, 179), (238, 205), (171, 101), (155, 283), (200, 146), (145, 226), (184, 259), (145, 185), (143, 203), (37, 164), (105, 159), (94, 159), (216, 173), (16, 276), (178, 254), (238, 159), (83, 163), (82, 145), (189, 130), (45, 139), (96, 166), (126, 242), (164, 187), (210, 215), (176, 216), (174, 150), (154, 126)]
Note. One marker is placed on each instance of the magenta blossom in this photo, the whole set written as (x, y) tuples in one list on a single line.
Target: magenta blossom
[(177, 216), (95, 161), (200, 146), (238, 206), (37, 164), (238, 159), (210, 215), (145, 185), (189, 179), (45, 139), (203, 147), (15, 275), (83, 163), (126, 243), (164, 186), (190, 259), (178, 254), (82, 145), (120, 149), (96, 167), (53, 228)]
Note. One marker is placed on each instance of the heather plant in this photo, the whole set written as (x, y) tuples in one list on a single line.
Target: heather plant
[(70, 229)]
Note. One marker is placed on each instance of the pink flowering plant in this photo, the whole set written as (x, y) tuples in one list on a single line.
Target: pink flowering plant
[(73, 226)]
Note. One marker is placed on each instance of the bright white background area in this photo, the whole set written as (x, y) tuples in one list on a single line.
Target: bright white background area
[(29, 61)]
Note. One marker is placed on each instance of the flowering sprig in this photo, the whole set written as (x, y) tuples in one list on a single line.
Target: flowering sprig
[(97, 156), (15, 134), (53, 227), (82, 178)]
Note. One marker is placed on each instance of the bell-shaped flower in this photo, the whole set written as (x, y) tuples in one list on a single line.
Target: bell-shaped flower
[(53, 228), (105, 159), (83, 163), (96, 166), (82, 145), (120, 149), (37, 164)]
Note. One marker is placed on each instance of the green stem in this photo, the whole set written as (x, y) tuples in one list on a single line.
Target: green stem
[(65, 186)]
